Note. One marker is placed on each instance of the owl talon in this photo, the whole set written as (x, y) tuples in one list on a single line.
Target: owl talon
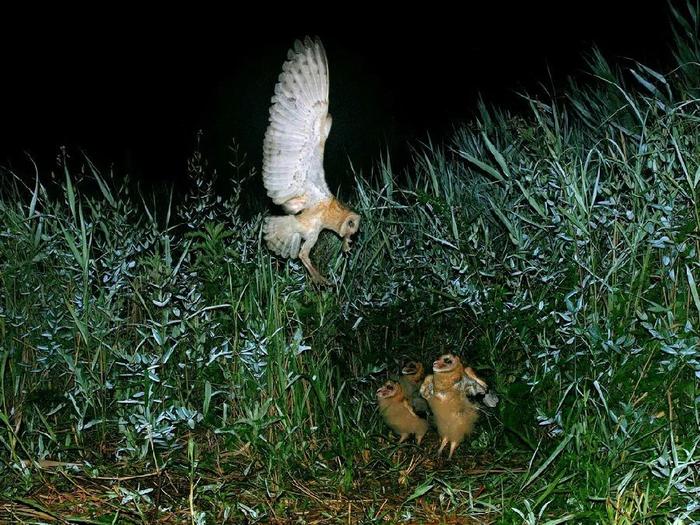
[(316, 276), (320, 279)]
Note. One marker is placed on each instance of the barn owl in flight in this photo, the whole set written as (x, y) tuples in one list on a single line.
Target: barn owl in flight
[(293, 160)]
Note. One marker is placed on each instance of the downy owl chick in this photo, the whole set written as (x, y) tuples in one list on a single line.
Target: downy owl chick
[(412, 375), (398, 413), (454, 414)]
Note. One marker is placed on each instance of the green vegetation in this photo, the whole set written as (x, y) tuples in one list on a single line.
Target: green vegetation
[(181, 373)]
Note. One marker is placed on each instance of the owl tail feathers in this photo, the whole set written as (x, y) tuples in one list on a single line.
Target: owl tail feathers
[(282, 236)]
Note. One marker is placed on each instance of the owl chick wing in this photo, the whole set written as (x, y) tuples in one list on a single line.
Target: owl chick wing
[(299, 125), (427, 389)]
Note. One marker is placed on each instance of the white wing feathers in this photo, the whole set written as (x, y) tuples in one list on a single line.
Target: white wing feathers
[(299, 125)]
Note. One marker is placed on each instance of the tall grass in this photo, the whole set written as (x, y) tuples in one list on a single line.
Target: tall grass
[(173, 367)]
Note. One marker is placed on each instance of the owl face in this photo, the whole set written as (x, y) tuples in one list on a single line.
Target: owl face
[(388, 390), (349, 228), (412, 368), (446, 363)]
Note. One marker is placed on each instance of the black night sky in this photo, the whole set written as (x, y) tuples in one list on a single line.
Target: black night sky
[(131, 88)]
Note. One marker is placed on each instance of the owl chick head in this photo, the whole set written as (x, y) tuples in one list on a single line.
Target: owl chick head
[(412, 368), (446, 363), (389, 389)]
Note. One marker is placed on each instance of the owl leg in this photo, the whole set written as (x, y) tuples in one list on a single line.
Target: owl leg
[(453, 446), (443, 445), (306, 260)]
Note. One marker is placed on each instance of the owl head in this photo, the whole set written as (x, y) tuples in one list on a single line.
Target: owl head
[(446, 363), (348, 228), (389, 389), (413, 370)]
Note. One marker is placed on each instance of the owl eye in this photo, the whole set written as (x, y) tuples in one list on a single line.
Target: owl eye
[(351, 223), (447, 361)]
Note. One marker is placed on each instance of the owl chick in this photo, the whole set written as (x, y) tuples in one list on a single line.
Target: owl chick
[(454, 414), (293, 160), (412, 375), (398, 413)]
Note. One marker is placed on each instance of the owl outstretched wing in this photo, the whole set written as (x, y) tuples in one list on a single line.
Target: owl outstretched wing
[(299, 125)]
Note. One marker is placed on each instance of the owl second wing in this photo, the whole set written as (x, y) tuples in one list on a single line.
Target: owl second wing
[(426, 389), (299, 125)]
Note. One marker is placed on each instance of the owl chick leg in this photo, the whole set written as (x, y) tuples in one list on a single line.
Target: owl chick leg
[(404, 437), (304, 253), (443, 445), (453, 446)]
